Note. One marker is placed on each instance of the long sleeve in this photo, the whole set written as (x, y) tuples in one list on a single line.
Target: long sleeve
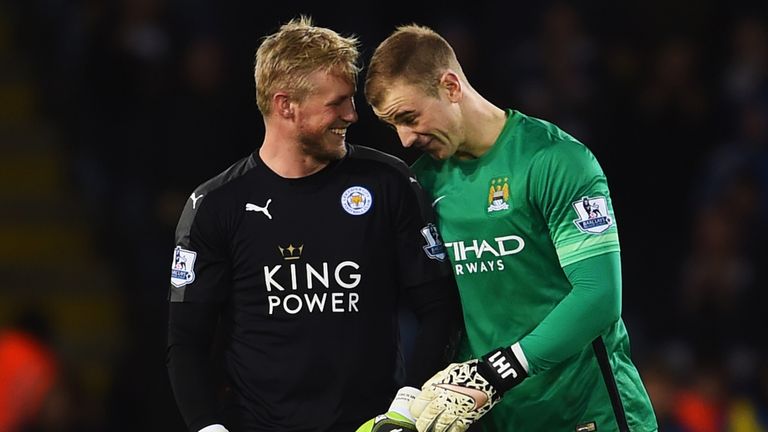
[(437, 308), (191, 328), (592, 305)]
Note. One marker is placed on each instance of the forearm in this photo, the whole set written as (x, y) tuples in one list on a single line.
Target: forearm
[(592, 305), (437, 308), (460, 394), (190, 334), (192, 387)]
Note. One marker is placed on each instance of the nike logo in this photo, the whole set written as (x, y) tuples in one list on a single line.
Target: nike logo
[(477, 396), (413, 180), (194, 199), (254, 207), (437, 200)]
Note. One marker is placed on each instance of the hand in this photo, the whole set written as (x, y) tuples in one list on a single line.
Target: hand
[(398, 418), (460, 394)]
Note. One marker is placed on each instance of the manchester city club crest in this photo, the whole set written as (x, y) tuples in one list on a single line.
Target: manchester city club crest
[(182, 267), (356, 200), (498, 194), (593, 215)]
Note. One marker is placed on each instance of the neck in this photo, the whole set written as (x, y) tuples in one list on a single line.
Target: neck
[(484, 122), (283, 155)]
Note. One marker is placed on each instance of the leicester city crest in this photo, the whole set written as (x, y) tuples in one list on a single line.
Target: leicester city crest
[(182, 267), (498, 194), (593, 215), (356, 200)]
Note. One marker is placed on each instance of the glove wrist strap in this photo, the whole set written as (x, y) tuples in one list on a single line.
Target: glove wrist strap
[(502, 369)]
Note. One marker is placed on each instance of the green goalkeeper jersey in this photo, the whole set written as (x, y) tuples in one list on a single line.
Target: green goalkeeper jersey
[(512, 220)]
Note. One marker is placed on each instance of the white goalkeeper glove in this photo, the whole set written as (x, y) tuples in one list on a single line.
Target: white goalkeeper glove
[(397, 418), (460, 394), (214, 428)]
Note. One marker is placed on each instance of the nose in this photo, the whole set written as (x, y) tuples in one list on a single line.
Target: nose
[(349, 113), (406, 135)]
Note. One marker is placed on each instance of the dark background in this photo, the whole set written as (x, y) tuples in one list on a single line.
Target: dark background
[(111, 112)]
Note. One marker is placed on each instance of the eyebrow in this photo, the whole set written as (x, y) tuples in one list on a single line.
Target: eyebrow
[(388, 117), (400, 117), (340, 99), (334, 101)]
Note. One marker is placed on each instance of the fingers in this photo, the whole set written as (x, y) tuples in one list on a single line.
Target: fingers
[(441, 421), (453, 399), (428, 392)]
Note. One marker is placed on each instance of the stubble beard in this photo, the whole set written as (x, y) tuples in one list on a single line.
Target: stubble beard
[(320, 150)]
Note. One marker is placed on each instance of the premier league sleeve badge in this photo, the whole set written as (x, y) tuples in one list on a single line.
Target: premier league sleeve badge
[(182, 267), (593, 215)]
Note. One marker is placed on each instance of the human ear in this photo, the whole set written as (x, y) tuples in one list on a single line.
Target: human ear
[(282, 105), (451, 83)]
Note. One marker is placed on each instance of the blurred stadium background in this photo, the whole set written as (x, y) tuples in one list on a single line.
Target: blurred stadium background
[(111, 111)]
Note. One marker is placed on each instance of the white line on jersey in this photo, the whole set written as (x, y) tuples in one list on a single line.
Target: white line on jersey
[(434, 203)]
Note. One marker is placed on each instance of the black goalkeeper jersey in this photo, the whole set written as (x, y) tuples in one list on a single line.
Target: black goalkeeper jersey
[(309, 273)]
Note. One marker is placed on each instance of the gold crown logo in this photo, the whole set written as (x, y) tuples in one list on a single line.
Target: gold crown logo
[(291, 252)]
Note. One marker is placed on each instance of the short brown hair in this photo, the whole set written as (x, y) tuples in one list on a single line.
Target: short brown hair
[(413, 55), (286, 58)]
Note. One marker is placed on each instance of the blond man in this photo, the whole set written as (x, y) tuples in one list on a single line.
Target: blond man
[(301, 254)]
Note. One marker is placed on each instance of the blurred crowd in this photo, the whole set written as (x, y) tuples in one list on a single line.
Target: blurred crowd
[(145, 99)]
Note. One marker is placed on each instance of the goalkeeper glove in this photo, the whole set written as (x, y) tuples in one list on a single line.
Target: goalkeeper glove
[(460, 394), (214, 428), (397, 418)]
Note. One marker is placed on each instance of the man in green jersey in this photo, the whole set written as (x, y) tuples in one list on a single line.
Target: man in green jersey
[(526, 215)]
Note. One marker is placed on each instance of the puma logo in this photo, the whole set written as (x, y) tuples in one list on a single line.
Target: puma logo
[(194, 199), (254, 207)]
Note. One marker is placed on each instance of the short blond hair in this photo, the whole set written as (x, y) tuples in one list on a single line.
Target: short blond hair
[(413, 55), (286, 58)]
